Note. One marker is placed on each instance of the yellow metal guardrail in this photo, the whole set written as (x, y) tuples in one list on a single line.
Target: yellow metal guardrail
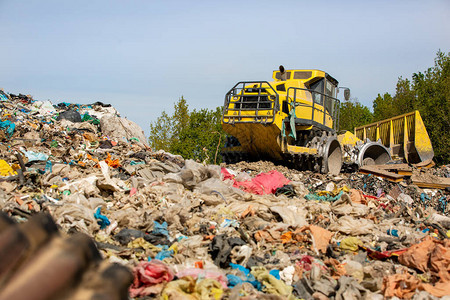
[(404, 135)]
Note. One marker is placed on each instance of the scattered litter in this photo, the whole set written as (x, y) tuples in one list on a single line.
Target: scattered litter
[(194, 231)]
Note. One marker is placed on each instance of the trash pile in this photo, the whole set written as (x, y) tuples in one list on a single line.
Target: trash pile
[(245, 231)]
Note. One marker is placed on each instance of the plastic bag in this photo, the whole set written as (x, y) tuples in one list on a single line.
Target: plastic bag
[(291, 215), (34, 156), (352, 226), (8, 126)]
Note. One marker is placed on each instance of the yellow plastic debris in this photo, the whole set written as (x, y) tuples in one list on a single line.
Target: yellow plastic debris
[(271, 284), (5, 169), (141, 243), (174, 247), (350, 244), (334, 192)]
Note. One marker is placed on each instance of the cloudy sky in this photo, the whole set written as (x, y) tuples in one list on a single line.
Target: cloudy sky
[(142, 56)]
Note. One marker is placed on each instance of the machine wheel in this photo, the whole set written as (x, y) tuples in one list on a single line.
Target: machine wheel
[(332, 156)]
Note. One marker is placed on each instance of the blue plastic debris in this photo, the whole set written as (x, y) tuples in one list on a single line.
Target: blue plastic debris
[(3, 96), (393, 232), (442, 205), (248, 277), (48, 167), (182, 237), (160, 228), (32, 156), (229, 223), (234, 280), (425, 199), (275, 273), (8, 126), (102, 220), (164, 254)]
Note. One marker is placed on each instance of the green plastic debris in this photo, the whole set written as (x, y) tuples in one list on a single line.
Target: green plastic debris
[(87, 117), (328, 198)]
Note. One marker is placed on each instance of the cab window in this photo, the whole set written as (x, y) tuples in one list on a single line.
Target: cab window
[(278, 75), (317, 88), (330, 90)]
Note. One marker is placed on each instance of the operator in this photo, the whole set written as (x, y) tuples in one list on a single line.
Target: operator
[(283, 74)]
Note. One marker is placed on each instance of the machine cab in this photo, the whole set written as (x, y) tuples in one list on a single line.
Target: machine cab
[(314, 80), (311, 92)]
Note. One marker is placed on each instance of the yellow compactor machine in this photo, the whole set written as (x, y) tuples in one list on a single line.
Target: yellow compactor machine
[(294, 119)]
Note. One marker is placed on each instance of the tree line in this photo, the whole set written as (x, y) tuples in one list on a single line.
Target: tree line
[(195, 134), (428, 92), (198, 134)]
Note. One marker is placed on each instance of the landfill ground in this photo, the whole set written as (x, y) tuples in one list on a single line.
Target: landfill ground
[(89, 211)]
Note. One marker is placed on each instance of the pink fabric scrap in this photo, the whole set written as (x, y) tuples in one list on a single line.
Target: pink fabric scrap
[(264, 183), (202, 273), (148, 274)]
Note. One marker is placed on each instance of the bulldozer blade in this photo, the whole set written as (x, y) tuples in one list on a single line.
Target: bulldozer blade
[(404, 135)]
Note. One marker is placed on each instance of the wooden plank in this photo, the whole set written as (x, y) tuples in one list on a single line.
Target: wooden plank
[(402, 169), (404, 173), (425, 164), (373, 169), (393, 166), (430, 185), (430, 181)]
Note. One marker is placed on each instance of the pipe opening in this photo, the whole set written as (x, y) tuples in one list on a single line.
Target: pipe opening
[(375, 155)]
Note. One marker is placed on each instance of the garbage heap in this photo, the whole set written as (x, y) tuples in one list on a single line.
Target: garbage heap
[(192, 231)]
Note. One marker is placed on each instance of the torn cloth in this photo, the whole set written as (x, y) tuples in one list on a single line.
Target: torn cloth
[(264, 183), (320, 235), (430, 254), (220, 249), (149, 278), (405, 285), (196, 273)]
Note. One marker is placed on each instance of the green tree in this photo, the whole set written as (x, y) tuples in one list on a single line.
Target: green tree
[(428, 92), (404, 99), (353, 114), (203, 136), (161, 132), (383, 107), (432, 99), (194, 135), (180, 118)]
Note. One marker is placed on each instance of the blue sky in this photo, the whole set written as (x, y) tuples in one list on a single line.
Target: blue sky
[(141, 56)]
